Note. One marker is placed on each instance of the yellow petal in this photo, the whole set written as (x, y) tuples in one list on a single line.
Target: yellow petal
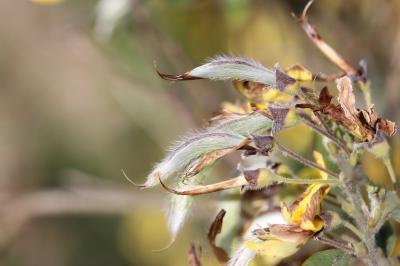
[(274, 250), (228, 107), (260, 106), (304, 211), (286, 214), (299, 72), (299, 207), (312, 225), (250, 90), (275, 96), (319, 159)]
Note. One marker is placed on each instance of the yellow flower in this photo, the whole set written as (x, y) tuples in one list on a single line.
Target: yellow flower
[(261, 93), (304, 211), (280, 241), (246, 108), (300, 73)]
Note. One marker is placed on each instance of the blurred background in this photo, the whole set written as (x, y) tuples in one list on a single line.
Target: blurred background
[(80, 100)]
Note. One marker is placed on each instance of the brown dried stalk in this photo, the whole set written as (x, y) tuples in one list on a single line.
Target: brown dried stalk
[(228, 184), (325, 48)]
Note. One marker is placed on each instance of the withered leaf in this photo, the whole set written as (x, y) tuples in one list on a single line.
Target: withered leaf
[(279, 115), (193, 257), (263, 144), (208, 159), (252, 176), (311, 106), (184, 76), (205, 189), (325, 48), (346, 97), (214, 230), (324, 97), (360, 122), (368, 116), (289, 232), (388, 127)]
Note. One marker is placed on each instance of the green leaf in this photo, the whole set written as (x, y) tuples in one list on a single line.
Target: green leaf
[(328, 257)]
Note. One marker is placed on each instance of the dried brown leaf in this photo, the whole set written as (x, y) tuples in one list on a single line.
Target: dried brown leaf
[(208, 159), (263, 144), (283, 80), (279, 115), (184, 76), (252, 176), (368, 117), (324, 97), (388, 127), (325, 48), (289, 232), (205, 189), (214, 230), (346, 98)]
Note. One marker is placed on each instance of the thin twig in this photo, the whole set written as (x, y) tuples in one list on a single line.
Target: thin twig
[(327, 134), (327, 78), (306, 162), (241, 181), (325, 48), (336, 244), (200, 190), (303, 181)]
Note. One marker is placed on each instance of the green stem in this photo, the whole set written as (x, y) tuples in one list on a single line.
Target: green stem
[(354, 229), (301, 181), (366, 90), (368, 238), (286, 152), (327, 134), (336, 244), (389, 166)]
